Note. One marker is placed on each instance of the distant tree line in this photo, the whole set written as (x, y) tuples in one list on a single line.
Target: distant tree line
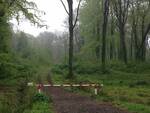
[(116, 29), (47, 47)]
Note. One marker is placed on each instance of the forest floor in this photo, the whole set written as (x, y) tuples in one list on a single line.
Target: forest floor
[(68, 102)]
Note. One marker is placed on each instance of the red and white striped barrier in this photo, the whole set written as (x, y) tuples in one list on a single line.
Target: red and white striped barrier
[(40, 86)]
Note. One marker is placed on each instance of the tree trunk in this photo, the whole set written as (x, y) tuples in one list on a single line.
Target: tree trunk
[(97, 49), (131, 46), (104, 32), (123, 50), (136, 46), (143, 52), (70, 4), (112, 40)]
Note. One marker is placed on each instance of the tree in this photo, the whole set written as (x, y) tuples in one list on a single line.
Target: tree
[(19, 8), (125, 30), (121, 8), (104, 32), (71, 30), (15, 9), (140, 27), (91, 26)]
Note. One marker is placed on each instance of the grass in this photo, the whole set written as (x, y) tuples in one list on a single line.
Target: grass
[(138, 108)]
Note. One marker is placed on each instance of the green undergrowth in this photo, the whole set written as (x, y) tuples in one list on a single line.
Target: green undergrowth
[(133, 107), (8, 102), (15, 99), (13, 68), (41, 74), (41, 104), (40, 107), (94, 67)]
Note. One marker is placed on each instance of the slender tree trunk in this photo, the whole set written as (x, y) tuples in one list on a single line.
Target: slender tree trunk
[(70, 4), (143, 52), (131, 46), (71, 32), (143, 45), (136, 48), (111, 51), (104, 32), (123, 50), (142, 49), (97, 49), (121, 8), (112, 40)]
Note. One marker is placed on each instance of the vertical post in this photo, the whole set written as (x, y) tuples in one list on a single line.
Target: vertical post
[(95, 91), (39, 90), (39, 87)]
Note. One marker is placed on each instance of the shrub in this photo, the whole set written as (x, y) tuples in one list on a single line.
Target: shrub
[(139, 83), (58, 69), (39, 97), (12, 67)]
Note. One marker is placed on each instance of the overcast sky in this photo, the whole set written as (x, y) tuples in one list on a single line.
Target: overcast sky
[(55, 16)]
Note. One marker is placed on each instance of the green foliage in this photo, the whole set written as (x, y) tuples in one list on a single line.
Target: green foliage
[(22, 8), (16, 67), (131, 67), (40, 107), (88, 68), (80, 67), (7, 102), (138, 108), (40, 104), (59, 68), (13, 67), (5, 36), (14, 101), (39, 97)]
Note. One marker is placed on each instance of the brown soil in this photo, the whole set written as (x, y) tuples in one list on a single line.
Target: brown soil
[(67, 102)]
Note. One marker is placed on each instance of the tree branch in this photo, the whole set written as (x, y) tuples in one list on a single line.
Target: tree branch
[(126, 11), (77, 14), (64, 7), (11, 3), (116, 10)]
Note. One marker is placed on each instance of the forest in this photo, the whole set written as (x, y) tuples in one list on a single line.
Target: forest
[(104, 42)]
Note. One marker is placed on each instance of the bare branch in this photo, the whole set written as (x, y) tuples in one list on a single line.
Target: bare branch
[(64, 7), (77, 14), (116, 10), (126, 11)]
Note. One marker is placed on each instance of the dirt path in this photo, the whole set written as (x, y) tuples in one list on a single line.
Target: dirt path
[(67, 102)]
